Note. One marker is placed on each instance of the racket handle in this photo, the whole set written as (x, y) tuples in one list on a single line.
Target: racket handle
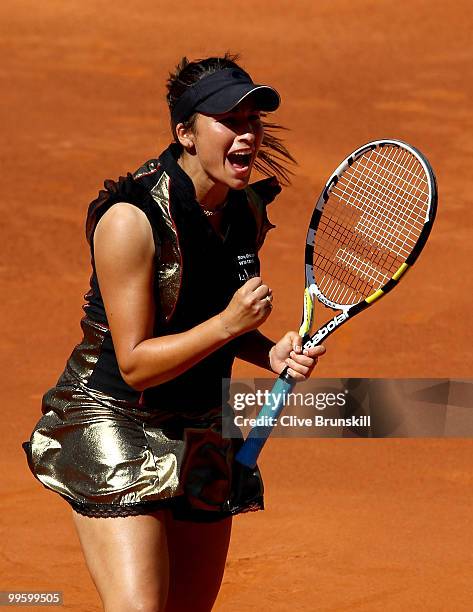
[(251, 447)]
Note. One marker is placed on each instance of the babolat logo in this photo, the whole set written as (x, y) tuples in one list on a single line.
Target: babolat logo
[(326, 329)]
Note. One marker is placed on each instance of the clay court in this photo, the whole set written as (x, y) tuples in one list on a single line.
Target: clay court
[(350, 524)]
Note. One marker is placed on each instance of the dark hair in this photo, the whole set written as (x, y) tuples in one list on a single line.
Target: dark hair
[(273, 157)]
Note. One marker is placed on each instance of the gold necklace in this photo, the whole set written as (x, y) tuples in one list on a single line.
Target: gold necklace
[(211, 212)]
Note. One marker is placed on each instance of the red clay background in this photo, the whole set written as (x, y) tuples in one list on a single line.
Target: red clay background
[(350, 525)]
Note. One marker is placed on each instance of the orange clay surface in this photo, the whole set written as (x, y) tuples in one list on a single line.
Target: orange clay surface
[(350, 524)]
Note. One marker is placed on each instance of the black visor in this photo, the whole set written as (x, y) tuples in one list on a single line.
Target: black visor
[(221, 91)]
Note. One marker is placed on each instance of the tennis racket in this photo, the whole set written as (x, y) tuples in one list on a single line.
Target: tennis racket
[(369, 226)]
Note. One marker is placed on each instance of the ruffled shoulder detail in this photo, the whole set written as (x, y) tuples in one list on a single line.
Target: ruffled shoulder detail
[(259, 195), (126, 189)]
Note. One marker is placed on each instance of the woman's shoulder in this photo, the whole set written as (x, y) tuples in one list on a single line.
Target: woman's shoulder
[(133, 189), (122, 218), (123, 236)]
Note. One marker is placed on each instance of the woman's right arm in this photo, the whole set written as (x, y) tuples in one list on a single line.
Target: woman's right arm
[(124, 254)]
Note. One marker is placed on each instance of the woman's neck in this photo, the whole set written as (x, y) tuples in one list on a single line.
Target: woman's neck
[(209, 194)]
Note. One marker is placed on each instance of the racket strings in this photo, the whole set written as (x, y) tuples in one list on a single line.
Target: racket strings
[(370, 224), (390, 212), (403, 214)]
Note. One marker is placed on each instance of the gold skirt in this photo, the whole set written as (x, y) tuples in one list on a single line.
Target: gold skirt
[(111, 457)]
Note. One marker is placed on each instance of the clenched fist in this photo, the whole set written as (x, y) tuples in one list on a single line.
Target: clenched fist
[(249, 307)]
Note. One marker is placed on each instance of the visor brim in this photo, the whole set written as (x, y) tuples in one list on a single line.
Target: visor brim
[(266, 99)]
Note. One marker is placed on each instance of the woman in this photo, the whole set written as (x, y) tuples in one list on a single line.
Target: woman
[(133, 428)]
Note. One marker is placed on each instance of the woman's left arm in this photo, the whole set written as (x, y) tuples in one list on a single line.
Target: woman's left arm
[(256, 348)]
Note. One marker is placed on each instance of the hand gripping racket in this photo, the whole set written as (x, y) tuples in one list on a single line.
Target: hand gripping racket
[(369, 226)]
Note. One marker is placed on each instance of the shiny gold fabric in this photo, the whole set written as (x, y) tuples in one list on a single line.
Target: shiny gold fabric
[(94, 449), (169, 268)]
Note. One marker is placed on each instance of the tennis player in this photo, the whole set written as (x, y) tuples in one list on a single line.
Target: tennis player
[(131, 434)]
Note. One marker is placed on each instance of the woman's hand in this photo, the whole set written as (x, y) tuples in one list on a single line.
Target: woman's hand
[(288, 352), (249, 307)]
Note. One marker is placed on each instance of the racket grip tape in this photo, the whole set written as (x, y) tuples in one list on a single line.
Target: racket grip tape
[(266, 421)]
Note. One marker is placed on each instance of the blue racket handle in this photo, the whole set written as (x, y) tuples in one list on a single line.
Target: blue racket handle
[(251, 447)]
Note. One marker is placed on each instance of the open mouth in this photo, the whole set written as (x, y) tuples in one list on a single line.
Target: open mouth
[(240, 161)]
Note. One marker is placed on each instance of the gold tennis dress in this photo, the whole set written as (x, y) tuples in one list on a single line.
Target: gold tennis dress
[(110, 450)]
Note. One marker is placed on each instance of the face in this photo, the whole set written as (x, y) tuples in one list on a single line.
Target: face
[(225, 146)]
